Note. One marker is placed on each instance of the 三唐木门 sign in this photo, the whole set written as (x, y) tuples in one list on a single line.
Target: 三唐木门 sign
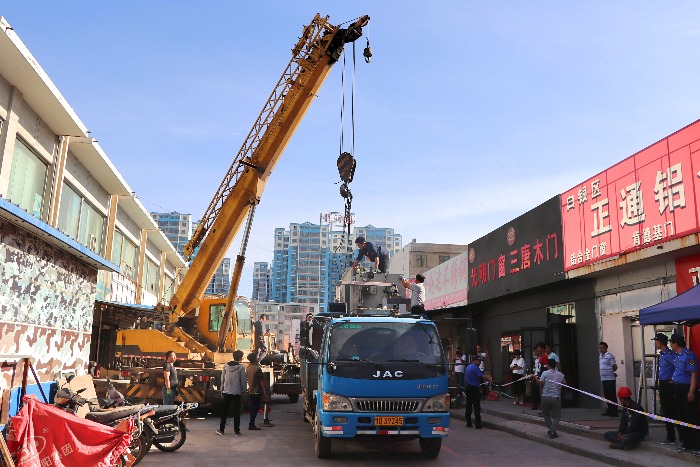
[(648, 198)]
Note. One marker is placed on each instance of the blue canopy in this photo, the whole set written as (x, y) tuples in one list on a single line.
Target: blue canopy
[(683, 308)]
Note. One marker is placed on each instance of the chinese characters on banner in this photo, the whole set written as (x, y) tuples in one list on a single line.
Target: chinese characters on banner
[(649, 198), (527, 252), (446, 284), (334, 218)]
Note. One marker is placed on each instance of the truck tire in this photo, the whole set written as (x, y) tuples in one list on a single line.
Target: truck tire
[(430, 447), (293, 398), (322, 444)]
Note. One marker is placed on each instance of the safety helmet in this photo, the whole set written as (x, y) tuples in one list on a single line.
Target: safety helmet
[(624, 392)]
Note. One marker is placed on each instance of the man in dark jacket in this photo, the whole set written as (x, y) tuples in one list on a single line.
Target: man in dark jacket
[(633, 425), (375, 253)]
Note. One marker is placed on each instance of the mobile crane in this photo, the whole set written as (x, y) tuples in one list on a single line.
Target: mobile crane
[(201, 330)]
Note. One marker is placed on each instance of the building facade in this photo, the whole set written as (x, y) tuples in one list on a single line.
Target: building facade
[(221, 282), (417, 258), (176, 227), (261, 281), (75, 241)]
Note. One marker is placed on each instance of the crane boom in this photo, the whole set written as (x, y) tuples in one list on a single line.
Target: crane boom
[(313, 56)]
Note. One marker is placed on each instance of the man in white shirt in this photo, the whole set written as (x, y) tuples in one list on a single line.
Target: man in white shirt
[(417, 293), (608, 367), (460, 361)]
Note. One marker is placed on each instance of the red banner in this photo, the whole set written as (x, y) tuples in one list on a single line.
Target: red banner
[(647, 199), (42, 435)]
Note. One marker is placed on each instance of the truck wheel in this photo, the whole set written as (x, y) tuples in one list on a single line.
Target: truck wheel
[(430, 447), (293, 398), (322, 444)]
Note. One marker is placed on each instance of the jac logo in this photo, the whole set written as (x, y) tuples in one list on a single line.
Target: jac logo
[(388, 374), (427, 386)]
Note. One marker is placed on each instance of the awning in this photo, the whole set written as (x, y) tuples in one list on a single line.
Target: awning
[(683, 308)]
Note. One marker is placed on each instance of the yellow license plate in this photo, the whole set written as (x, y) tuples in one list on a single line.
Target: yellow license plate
[(388, 421)]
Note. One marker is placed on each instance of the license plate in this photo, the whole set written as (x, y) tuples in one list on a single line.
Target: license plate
[(388, 421)]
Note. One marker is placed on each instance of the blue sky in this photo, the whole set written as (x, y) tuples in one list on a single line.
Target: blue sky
[(470, 114)]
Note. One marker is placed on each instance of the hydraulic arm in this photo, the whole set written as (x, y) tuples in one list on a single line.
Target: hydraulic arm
[(313, 56)]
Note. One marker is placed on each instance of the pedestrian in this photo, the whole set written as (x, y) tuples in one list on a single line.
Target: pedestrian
[(260, 333), (460, 361), (664, 378), (256, 389), (234, 384), (482, 367), (685, 385), (517, 368), (539, 367), (170, 383), (550, 382), (633, 425), (551, 355), (417, 293), (608, 367), (375, 253), (473, 377)]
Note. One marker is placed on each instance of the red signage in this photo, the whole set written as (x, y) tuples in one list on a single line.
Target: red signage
[(687, 272), (649, 198)]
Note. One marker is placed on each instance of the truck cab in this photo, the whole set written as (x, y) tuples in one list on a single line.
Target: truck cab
[(377, 375)]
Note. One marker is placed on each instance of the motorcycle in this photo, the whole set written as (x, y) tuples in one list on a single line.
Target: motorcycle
[(69, 401), (166, 427)]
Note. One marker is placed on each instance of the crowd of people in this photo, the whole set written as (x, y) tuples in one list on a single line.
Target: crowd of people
[(677, 384)]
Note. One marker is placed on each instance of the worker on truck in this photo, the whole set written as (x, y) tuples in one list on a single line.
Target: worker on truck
[(374, 253), (260, 333)]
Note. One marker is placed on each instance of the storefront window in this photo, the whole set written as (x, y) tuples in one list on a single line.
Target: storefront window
[(27, 180)]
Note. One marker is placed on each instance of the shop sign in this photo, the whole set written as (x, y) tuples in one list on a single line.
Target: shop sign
[(525, 253), (687, 272), (647, 199), (446, 284)]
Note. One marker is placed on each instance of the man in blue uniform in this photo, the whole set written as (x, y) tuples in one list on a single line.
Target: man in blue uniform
[(665, 384), (473, 377), (685, 383), (375, 253)]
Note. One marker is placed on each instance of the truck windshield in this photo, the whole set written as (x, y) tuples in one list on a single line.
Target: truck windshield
[(386, 343)]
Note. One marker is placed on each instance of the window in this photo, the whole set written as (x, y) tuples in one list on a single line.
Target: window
[(216, 312), (27, 180), (443, 258), (422, 261), (169, 289), (80, 221), (151, 277), (125, 254), (562, 314)]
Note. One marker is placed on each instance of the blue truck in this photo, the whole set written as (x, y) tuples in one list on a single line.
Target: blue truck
[(374, 373)]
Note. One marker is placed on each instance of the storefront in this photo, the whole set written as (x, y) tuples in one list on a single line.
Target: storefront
[(518, 297)]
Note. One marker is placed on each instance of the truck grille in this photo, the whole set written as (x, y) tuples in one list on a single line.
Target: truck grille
[(386, 405)]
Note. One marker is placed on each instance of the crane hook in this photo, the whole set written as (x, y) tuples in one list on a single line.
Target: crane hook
[(367, 52)]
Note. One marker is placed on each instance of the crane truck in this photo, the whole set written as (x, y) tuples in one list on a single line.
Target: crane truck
[(371, 370), (204, 331)]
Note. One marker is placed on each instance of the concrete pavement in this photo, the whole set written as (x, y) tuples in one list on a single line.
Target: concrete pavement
[(580, 432)]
